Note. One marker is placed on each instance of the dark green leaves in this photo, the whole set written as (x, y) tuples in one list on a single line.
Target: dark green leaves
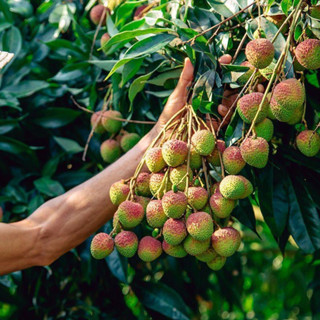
[(49, 187)]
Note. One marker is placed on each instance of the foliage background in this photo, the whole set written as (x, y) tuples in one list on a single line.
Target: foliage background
[(42, 136)]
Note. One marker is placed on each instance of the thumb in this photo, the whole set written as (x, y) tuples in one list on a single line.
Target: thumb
[(185, 80)]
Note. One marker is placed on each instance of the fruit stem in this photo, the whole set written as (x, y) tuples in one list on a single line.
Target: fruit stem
[(205, 174), (189, 121), (282, 26)]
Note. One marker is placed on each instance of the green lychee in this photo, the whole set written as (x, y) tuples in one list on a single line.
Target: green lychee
[(200, 225), (154, 159), (308, 142), (235, 187), (174, 251), (101, 245), (264, 129), (308, 54), (214, 157), (142, 184), (232, 160), (195, 247), (195, 159), (130, 214), (217, 263), (244, 78), (260, 53), (226, 241), (220, 206), (128, 141), (197, 197), (203, 141), (96, 122), (255, 152), (174, 204), (104, 39), (126, 243), (119, 192), (110, 122), (296, 116), (157, 186), (174, 152), (155, 214), (207, 256), (178, 176), (110, 150), (97, 12), (149, 249), (174, 231)]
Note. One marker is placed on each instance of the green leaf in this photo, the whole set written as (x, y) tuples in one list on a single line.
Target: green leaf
[(225, 8), (298, 31), (165, 76), (12, 40), (106, 65), (49, 187), (285, 6), (68, 145), (5, 9), (26, 88), (130, 69), (7, 125), (117, 65)]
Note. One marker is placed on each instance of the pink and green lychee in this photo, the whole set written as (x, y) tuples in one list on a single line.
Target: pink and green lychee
[(260, 52), (195, 247), (110, 150), (174, 204), (264, 129), (235, 187), (158, 186), (142, 184), (97, 13), (126, 243), (255, 152), (220, 206), (118, 192), (308, 143), (178, 176), (174, 251), (296, 116), (128, 141), (130, 214), (308, 54), (149, 249), (155, 214), (197, 197), (217, 263), (226, 241), (174, 231), (104, 39), (174, 152), (110, 122), (195, 159), (248, 106), (232, 160), (144, 201), (214, 157), (101, 245), (207, 256), (247, 186), (154, 159), (96, 122), (203, 141), (200, 225)]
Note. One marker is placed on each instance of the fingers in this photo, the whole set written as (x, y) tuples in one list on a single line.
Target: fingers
[(185, 80)]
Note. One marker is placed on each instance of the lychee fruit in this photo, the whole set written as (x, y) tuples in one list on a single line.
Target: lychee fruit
[(207, 256), (154, 159), (126, 243), (178, 176), (104, 39), (255, 152), (142, 184), (149, 249), (200, 225), (244, 78), (110, 150), (155, 214), (110, 122), (101, 245), (247, 186), (203, 141), (235, 187), (115, 223), (195, 159), (96, 14), (214, 157), (128, 141), (197, 197), (296, 116), (217, 263), (174, 152), (225, 59), (130, 214), (195, 247), (226, 241), (220, 206), (96, 122), (174, 251), (308, 54), (260, 53), (174, 204), (157, 187), (174, 231), (118, 192), (248, 106), (264, 129), (308, 142), (232, 160), (144, 201)]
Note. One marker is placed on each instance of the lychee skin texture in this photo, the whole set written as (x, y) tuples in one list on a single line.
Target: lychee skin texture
[(195, 159), (197, 197), (96, 121), (96, 14), (200, 225), (144, 201), (255, 152), (308, 143), (128, 141), (110, 151), (142, 184), (260, 53), (264, 129), (174, 152), (195, 247), (296, 116), (156, 187), (174, 231), (149, 249), (248, 106), (155, 214), (174, 204), (178, 176), (203, 141), (207, 256), (130, 214), (154, 159), (101, 245), (126, 243), (220, 206), (232, 160), (104, 39), (217, 263), (214, 157), (174, 251), (235, 187), (119, 192), (308, 54), (110, 122), (226, 241)]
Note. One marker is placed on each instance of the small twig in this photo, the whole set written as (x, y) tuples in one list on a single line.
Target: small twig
[(282, 26), (239, 47), (189, 120)]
